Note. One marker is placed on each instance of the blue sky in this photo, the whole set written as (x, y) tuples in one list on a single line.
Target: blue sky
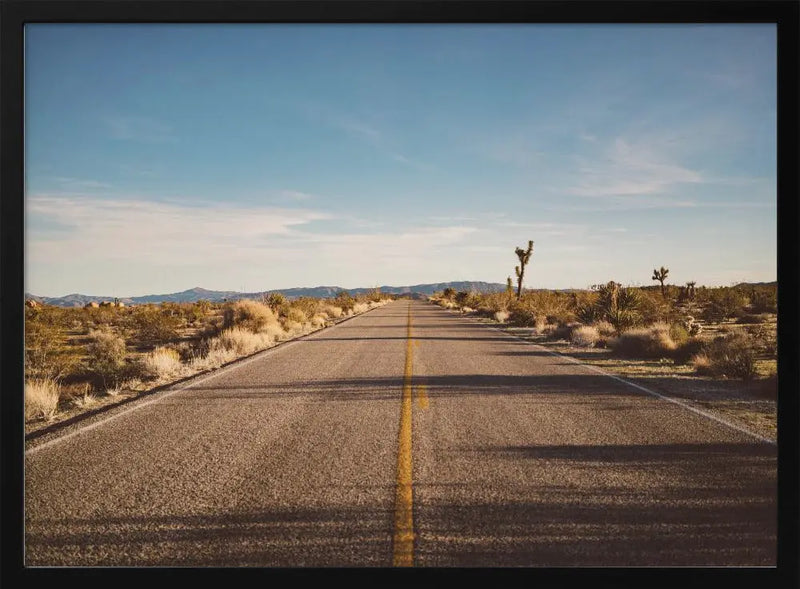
[(258, 157)]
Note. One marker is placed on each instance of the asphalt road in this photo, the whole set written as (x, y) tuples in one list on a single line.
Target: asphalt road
[(372, 443)]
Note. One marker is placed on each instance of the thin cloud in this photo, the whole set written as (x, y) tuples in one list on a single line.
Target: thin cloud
[(294, 195), (78, 184), (630, 170), (138, 128), (168, 233)]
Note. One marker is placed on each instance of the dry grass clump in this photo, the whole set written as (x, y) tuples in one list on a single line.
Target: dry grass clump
[(162, 363), (702, 364), (652, 342), (332, 311), (605, 329), (733, 356), (501, 316), (361, 307), (585, 336), (241, 341), (319, 320), (84, 400), (41, 399), (213, 359)]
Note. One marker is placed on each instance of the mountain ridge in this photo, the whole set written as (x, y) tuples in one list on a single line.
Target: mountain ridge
[(198, 293)]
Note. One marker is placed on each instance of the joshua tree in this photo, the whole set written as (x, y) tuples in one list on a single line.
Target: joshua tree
[(524, 257), (661, 276), (690, 289), (509, 286)]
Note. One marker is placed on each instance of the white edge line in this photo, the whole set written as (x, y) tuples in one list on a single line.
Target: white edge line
[(641, 388), (170, 392)]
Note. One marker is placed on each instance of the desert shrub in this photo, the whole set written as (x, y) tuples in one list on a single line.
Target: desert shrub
[(152, 325), (765, 340), (162, 363), (106, 355), (562, 332), (46, 354), (687, 350), (41, 398), (723, 303), (344, 301), (751, 319), (523, 315), (585, 336), (295, 314), (374, 295), (679, 334), (360, 307), (497, 301), (332, 311), (764, 299), (654, 308), (652, 342), (248, 314), (276, 301), (732, 356), (309, 306)]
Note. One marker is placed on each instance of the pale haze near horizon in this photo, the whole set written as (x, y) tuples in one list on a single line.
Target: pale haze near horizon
[(261, 157)]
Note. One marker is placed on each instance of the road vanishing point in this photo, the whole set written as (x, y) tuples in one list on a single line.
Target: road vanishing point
[(406, 436)]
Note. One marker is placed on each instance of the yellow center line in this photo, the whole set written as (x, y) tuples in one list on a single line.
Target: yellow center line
[(404, 495)]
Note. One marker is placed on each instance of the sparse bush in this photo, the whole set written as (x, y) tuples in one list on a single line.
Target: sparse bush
[(248, 314), (563, 332), (152, 325), (501, 316), (723, 303), (360, 308), (46, 354), (332, 311), (679, 334), (687, 350), (41, 399), (751, 319), (652, 342), (277, 302), (764, 299), (106, 355), (345, 301), (584, 336), (732, 356)]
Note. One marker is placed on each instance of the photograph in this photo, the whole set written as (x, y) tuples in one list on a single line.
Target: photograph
[(402, 294)]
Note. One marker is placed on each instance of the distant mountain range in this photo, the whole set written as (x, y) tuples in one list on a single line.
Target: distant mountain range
[(196, 294)]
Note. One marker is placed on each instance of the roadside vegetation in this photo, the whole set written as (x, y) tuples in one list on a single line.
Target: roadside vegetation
[(78, 358), (723, 332)]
